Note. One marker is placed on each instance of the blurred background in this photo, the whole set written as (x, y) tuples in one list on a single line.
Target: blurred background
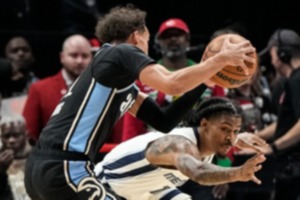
[(46, 23)]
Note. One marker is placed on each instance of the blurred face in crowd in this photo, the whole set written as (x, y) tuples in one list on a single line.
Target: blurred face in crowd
[(279, 66), (13, 136), (19, 52), (173, 43), (76, 55)]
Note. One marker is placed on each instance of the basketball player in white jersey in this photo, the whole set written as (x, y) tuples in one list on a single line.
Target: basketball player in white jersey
[(153, 165)]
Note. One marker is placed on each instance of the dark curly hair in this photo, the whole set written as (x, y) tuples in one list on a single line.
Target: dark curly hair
[(119, 23), (210, 108)]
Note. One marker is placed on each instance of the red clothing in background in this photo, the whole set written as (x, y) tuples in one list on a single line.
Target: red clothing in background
[(43, 97)]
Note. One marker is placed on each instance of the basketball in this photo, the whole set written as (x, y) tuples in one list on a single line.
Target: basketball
[(229, 76)]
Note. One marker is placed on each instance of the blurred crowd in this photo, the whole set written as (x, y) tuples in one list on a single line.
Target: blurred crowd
[(269, 100)]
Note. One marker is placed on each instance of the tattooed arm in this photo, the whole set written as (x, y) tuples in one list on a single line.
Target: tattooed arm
[(179, 152)]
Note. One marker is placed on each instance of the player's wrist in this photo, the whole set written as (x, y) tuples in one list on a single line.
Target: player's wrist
[(274, 148), (236, 173), (220, 58)]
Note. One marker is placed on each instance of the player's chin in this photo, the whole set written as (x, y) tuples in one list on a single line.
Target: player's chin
[(223, 150)]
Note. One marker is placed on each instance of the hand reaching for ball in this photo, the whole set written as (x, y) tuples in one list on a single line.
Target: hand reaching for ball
[(239, 53), (238, 57)]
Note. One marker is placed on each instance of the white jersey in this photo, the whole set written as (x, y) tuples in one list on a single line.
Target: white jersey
[(131, 176)]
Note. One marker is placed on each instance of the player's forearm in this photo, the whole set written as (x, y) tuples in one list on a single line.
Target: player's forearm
[(268, 132), (209, 174), (206, 173), (290, 138), (190, 77), (165, 119)]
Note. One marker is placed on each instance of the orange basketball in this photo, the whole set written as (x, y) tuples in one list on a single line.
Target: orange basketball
[(229, 76)]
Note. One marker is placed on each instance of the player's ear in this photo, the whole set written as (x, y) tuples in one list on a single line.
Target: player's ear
[(133, 38), (204, 123)]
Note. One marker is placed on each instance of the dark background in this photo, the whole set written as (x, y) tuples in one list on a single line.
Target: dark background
[(46, 23)]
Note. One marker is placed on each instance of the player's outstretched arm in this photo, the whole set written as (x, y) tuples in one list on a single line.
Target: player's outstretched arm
[(210, 174), (181, 154), (183, 80)]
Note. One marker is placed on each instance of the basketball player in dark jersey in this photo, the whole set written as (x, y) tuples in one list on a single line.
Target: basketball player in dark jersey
[(61, 165)]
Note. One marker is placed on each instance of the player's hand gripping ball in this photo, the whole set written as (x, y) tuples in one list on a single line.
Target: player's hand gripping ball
[(229, 76)]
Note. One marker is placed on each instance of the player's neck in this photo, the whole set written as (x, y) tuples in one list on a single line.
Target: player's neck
[(204, 146)]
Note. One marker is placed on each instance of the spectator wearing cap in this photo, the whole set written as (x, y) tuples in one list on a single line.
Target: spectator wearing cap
[(285, 134), (45, 94), (172, 41)]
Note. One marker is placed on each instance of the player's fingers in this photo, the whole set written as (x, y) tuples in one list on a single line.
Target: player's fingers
[(244, 44), (249, 59), (259, 141), (226, 42), (257, 149), (249, 50), (257, 168), (256, 180), (259, 159), (245, 68)]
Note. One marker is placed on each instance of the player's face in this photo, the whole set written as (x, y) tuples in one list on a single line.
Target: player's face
[(143, 40), (223, 132), (75, 57)]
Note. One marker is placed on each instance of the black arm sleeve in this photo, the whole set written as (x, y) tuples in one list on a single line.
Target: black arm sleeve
[(165, 119)]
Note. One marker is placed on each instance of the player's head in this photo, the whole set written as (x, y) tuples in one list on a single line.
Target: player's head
[(76, 54), (220, 121), (172, 38), (124, 24)]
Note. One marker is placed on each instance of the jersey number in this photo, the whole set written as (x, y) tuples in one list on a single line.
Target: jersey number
[(125, 105)]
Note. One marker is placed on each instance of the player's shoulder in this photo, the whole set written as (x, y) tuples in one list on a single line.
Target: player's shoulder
[(126, 48), (182, 131), (189, 133)]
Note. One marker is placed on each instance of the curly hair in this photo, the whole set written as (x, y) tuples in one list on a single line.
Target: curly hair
[(119, 23), (211, 108)]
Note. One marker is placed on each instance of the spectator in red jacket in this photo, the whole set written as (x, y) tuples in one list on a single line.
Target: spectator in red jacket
[(45, 94)]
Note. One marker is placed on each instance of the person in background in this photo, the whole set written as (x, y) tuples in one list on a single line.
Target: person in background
[(45, 94), (19, 75), (284, 135), (280, 38), (13, 155)]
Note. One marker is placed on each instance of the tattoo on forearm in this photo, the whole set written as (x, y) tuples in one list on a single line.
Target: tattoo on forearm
[(172, 144)]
